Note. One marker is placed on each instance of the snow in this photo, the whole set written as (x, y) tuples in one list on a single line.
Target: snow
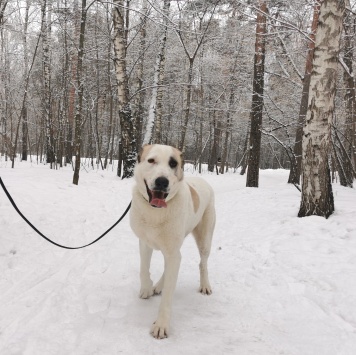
[(281, 284)]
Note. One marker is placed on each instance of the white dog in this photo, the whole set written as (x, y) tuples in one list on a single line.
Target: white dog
[(165, 209)]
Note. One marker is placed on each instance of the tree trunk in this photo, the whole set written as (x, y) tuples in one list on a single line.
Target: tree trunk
[(46, 33), (3, 4), (244, 159), (63, 110), (257, 98), (97, 104), (296, 158), (317, 196), (24, 111), (227, 133), (80, 88), (350, 102), (4, 72), (110, 135), (72, 89), (339, 165), (128, 136), (139, 98), (155, 109), (216, 142), (110, 132), (188, 97)]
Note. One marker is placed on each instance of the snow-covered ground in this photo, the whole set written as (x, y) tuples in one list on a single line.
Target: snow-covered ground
[(281, 284)]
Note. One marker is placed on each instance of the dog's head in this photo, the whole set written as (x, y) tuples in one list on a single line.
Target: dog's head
[(158, 173)]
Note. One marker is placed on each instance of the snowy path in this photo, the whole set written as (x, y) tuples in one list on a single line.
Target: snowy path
[(281, 285)]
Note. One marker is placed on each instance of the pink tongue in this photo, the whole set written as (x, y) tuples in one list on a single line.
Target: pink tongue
[(157, 202), (158, 199)]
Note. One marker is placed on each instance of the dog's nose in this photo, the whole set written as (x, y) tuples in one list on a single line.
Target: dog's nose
[(161, 183)]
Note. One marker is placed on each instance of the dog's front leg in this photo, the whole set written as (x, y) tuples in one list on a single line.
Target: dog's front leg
[(160, 327), (146, 282)]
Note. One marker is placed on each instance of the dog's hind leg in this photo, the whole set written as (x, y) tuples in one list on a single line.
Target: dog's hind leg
[(203, 234), (146, 282)]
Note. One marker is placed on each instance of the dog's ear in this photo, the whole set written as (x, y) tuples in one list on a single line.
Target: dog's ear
[(179, 155), (181, 159), (139, 155), (143, 150)]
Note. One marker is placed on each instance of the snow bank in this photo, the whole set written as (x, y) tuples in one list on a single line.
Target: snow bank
[(281, 285)]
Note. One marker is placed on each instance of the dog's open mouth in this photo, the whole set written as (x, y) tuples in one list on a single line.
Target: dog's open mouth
[(156, 198)]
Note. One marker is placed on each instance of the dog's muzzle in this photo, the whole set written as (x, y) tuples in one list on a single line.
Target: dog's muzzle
[(158, 195)]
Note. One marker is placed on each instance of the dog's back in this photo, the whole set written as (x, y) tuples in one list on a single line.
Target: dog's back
[(202, 201)]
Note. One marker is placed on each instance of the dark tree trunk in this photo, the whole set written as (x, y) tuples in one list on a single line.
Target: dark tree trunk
[(350, 104), (215, 147), (224, 156), (80, 84), (188, 98), (73, 79), (257, 98), (24, 111)]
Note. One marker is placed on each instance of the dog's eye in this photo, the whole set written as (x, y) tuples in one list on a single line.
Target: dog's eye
[(151, 161), (173, 163)]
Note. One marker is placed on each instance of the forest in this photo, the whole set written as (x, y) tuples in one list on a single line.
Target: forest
[(258, 95), (226, 82)]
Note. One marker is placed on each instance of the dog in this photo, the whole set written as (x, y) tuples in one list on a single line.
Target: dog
[(166, 207)]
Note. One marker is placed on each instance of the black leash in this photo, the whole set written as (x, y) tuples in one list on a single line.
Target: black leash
[(49, 240)]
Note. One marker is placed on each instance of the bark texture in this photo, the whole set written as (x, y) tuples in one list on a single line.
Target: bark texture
[(79, 109), (139, 98), (296, 158), (348, 149), (24, 109), (317, 196), (46, 33), (257, 98), (155, 109), (128, 136)]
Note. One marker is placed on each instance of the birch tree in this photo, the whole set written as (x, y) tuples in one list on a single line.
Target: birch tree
[(317, 196), (128, 136), (296, 158), (139, 97), (155, 109), (46, 38)]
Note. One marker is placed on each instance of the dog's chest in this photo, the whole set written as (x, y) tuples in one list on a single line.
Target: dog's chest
[(157, 236), (157, 229)]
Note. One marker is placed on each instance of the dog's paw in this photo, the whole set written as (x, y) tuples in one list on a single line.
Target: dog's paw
[(205, 290), (159, 330), (157, 288), (146, 292)]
